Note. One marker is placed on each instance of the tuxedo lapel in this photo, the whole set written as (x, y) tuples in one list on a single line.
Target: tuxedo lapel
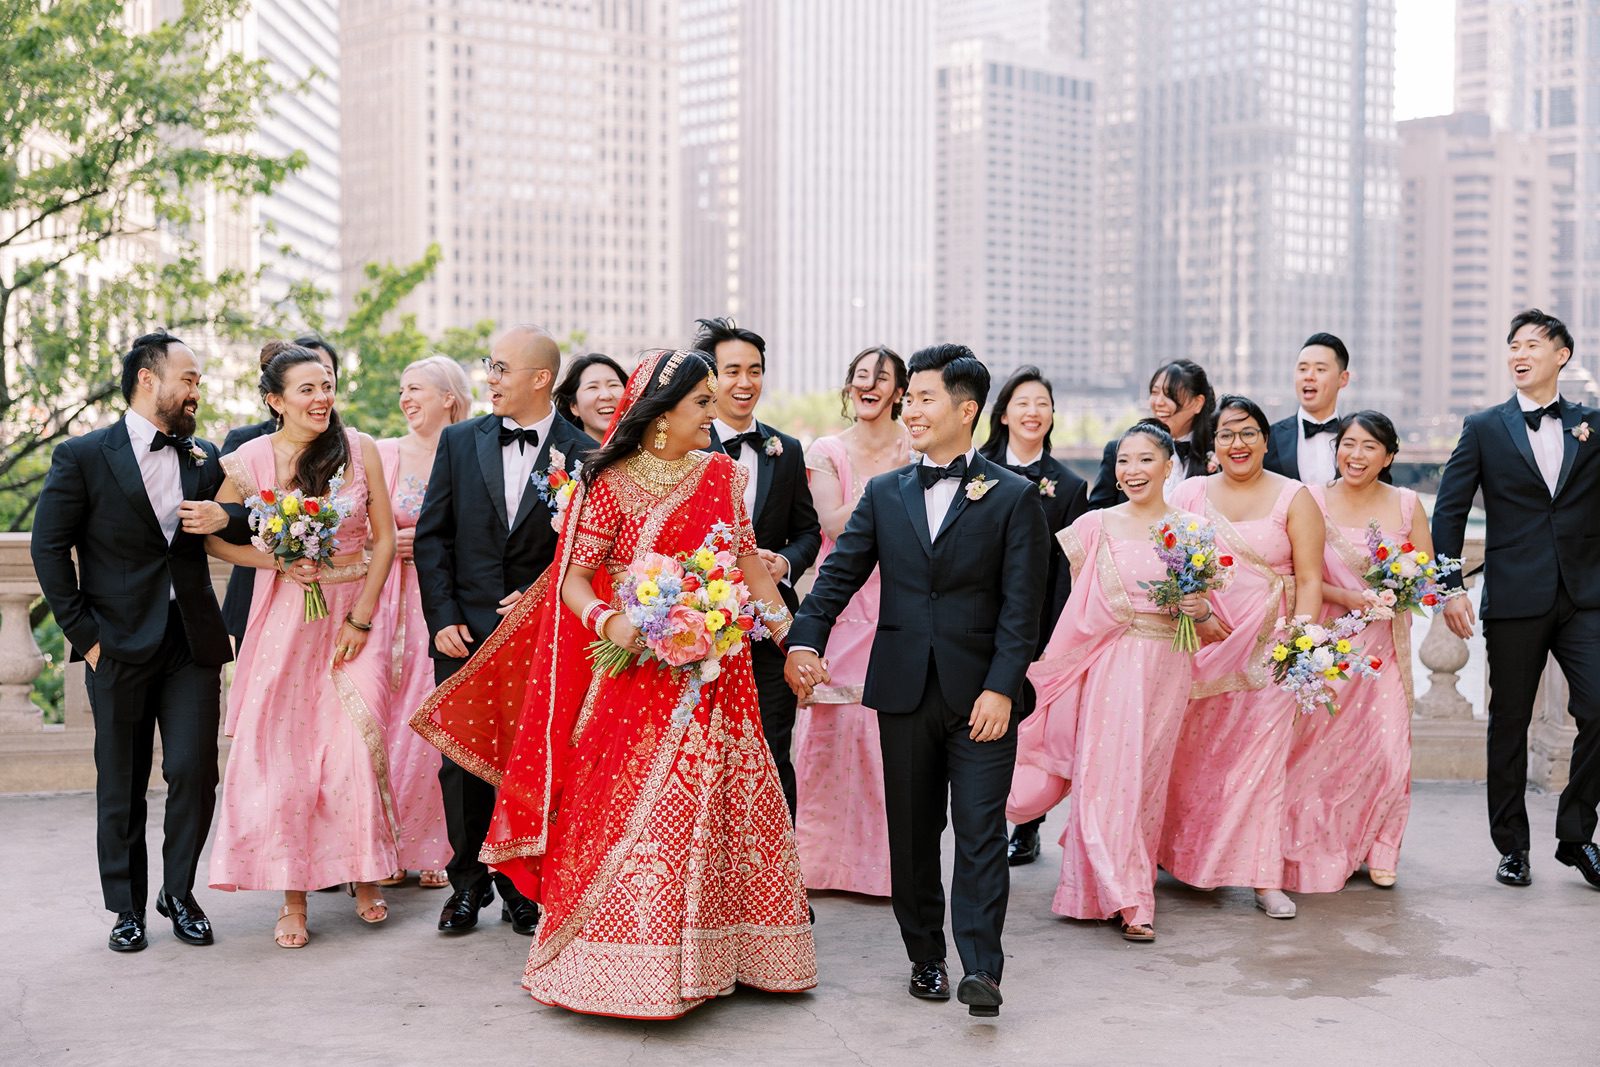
[(766, 468), (1517, 429), (916, 506), (189, 477), (959, 504), (494, 471), (1286, 444), (559, 439), (125, 467), (1571, 415)]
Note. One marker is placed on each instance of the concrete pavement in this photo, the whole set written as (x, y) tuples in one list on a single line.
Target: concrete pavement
[(1447, 968)]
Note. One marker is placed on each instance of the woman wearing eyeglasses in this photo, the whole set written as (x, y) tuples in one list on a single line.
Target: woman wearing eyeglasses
[(1225, 804)]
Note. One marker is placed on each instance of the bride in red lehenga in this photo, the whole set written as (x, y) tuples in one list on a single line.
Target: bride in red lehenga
[(662, 854)]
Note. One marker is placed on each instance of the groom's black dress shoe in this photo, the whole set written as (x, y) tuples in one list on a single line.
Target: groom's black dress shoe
[(930, 981), (460, 912), (1024, 846), (980, 992), (521, 913), (1584, 856), (1514, 869), (127, 934), (189, 923)]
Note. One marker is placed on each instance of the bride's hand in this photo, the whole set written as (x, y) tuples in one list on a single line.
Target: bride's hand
[(621, 631)]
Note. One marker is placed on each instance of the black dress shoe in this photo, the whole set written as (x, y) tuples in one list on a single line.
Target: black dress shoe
[(521, 913), (127, 934), (930, 981), (460, 912), (1515, 869), (1584, 856), (189, 923), (1024, 846), (980, 992)]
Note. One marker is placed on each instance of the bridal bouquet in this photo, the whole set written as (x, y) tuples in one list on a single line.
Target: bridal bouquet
[(1309, 657), (693, 611), (292, 526), (1403, 577), (1189, 551)]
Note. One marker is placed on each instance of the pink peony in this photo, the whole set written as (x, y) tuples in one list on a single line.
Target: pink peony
[(689, 641)]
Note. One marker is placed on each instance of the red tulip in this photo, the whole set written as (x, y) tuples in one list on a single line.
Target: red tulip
[(1224, 561), (745, 623), (1408, 547), (736, 576), (268, 497), (312, 507), (1344, 666), (690, 583), (1383, 553), (1374, 662), (713, 574), (1170, 540), (1430, 600)]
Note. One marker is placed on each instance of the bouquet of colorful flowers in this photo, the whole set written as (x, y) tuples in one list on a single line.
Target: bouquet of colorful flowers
[(693, 612), (556, 486), (1309, 657), (1188, 548), (292, 526), (1403, 577)]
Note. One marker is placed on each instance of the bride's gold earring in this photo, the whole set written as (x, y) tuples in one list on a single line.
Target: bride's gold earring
[(660, 441)]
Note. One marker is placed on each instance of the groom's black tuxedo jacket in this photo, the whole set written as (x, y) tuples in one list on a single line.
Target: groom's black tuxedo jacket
[(969, 599), (94, 501), (784, 518), (1534, 542), (466, 558)]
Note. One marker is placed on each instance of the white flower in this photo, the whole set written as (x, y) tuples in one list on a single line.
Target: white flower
[(1322, 658), (977, 487), (297, 528), (710, 670), (258, 544), (1581, 431), (1318, 635), (774, 445), (1409, 567)]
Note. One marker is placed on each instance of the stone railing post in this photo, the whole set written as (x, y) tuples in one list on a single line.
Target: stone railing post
[(1552, 733), (1447, 741), (20, 658)]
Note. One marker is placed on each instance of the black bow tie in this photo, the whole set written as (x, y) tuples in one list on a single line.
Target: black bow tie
[(1537, 415), (1311, 429), (1183, 449), (930, 475), (1031, 471), (522, 437), (734, 445), (165, 440)]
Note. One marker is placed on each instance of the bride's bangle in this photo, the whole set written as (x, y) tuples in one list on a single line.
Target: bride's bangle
[(595, 607), (600, 623)]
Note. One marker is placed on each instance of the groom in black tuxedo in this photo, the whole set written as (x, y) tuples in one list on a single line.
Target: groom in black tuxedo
[(483, 537), (134, 501), (1535, 460), (961, 549), (1301, 446), (778, 500)]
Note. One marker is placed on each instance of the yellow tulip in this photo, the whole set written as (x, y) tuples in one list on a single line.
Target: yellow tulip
[(1303, 643)]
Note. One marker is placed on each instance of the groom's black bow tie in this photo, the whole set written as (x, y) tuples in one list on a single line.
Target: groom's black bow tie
[(930, 475), (734, 445), (165, 440), (1311, 429), (522, 437), (1537, 415)]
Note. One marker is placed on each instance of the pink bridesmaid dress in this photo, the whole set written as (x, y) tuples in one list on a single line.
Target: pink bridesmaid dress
[(1349, 777), (306, 800), (1225, 803), (1112, 694), (841, 829), (413, 763)]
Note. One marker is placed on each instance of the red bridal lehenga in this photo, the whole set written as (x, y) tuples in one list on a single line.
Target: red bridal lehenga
[(662, 855)]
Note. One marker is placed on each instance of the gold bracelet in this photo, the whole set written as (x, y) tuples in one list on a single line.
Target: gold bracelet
[(365, 628)]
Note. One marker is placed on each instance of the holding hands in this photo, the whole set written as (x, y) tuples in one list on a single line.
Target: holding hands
[(804, 670)]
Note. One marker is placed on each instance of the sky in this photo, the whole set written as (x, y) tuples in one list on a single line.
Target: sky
[(1424, 64)]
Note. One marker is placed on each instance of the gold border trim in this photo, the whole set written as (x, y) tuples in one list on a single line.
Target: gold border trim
[(371, 734)]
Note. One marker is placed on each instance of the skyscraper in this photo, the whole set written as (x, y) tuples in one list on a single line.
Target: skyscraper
[(536, 143), (1058, 27), (1249, 193), (808, 176)]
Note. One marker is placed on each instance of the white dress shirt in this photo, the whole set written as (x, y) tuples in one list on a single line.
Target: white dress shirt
[(1180, 470), (1546, 442), (747, 460), (517, 461), (163, 483), (1315, 456), (942, 494)]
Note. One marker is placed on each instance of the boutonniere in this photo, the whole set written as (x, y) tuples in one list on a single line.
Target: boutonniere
[(1212, 465), (977, 487), (1581, 431), (774, 446), (197, 455), (1047, 487)]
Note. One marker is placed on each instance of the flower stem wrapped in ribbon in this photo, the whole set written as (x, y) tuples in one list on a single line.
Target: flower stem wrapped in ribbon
[(1403, 577), (290, 526), (1188, 549), (1308, 657), (692, 611)]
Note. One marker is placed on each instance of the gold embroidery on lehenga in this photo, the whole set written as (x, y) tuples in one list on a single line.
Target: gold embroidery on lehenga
[(371, 733)]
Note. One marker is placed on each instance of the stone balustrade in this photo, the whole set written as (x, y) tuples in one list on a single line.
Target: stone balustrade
[(1447, 726)]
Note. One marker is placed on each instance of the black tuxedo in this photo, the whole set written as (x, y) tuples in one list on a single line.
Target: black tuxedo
[(150, 607), (467, 561), (1283, 449), (958, 614), (1105, 493), (1541, 597), (242, 582), (785, 522)]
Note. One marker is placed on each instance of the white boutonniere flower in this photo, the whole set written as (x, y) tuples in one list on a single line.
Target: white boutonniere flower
[(977, 487), (198, 455), (774, 446), (1047, 487), (1581, 431), (1212, 463)]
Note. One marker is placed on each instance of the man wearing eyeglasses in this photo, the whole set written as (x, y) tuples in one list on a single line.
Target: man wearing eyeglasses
[(483, 536)]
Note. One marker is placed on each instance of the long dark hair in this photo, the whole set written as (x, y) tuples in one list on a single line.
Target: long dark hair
[(881, 354), (689, 369), (565, 395), (999, 433), (328, 454), (1182, 380)]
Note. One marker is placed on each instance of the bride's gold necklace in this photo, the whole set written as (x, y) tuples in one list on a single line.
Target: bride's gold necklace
[(660, 476)]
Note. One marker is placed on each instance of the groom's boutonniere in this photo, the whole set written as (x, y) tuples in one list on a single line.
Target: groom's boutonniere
[(977, 487), (774, 445), (197, 455), (1581, 431), (1047, 487)]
